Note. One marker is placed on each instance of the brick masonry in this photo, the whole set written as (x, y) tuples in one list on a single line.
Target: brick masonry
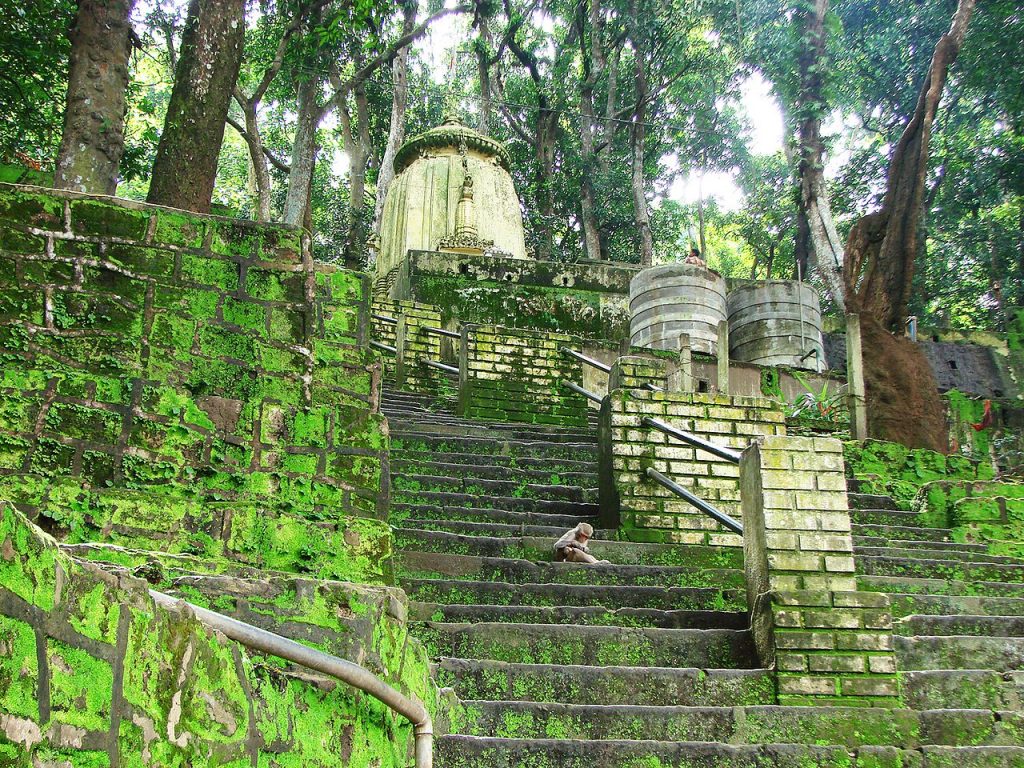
[(645, 510), (418, 345), (829, 642)]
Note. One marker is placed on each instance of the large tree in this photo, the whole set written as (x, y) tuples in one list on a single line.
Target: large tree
[(211, 53), (93, 138)]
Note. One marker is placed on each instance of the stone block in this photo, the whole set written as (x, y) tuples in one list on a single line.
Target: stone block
[(869, 686), (824, 542), (808, 641), (860, 600), (882, 665), (863, 641), (836, 618), (807, 685), (833, 663)]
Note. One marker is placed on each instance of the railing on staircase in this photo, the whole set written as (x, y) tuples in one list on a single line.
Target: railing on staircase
[(674, 433), (436, 364), (346, 671)]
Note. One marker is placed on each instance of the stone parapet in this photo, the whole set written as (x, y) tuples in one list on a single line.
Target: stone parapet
[(829, 642), (413, 344)]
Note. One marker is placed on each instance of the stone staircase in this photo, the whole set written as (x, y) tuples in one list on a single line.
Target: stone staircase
[(646, 662)]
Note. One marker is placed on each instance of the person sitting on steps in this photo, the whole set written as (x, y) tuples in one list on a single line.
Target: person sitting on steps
[(572, 547)]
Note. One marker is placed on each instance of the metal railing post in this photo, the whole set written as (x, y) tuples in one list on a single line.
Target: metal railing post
[(401, 366), (464, 383)]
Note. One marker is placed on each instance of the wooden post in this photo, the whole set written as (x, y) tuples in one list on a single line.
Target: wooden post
[(401, 364), (723, 358), (855, 379)]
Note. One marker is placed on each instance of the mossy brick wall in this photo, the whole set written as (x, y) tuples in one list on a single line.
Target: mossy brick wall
[(984, 512), (828, 642), (198, 359), (645, 510), (893, 469), (418, 344), (585, 300), (93, 673), (516, 375), (637, 371)]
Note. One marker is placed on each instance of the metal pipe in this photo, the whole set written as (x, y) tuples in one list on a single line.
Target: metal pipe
[(651, 387), (696, 501), (696, 442), (442, 332), (384, 319), (385, 347), (580, 390), (352, 674), (441, 366), (584, 359)]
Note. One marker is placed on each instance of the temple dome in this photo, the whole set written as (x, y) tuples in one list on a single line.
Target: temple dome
[(422, 210)]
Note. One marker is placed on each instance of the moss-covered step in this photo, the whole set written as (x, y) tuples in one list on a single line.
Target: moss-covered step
[(959, 652), (979, 626), (498, 530), (495, 431), (952, 605), (866, 543), (899, 517), (548, 464), (656, 686), (478, 486), (984, 689), (611, 597), (924, 586), (950, 570), (567, 516), (598, 646), (477, 752), (951, 552), (901, 532), (583, 509), (902, 728), (933, 756), (589, 615), (436, 565), (444, 465), (540, 549), (429, 442)]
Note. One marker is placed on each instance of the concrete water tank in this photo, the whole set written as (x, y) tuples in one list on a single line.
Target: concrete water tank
[(776, 322), (673, 299)]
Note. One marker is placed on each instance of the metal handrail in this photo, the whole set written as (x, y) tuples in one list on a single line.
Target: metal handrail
[(580, 390), (584, 359), (384, 347), (442, 332), (696, 501), (441, 366), (384, 318), (651, 387), (696, 442), (352, 674)]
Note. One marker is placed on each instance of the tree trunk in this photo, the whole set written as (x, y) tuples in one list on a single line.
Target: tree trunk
[(185, 169), (817, 245), (637, 136), (700, 215), (93, 140), (882, 246), (396, 129), (544, 147), (594, 65), (257, 160), (357, 146), (303, 150)]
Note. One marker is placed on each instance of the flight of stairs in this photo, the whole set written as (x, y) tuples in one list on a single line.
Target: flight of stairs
[(646, 662)]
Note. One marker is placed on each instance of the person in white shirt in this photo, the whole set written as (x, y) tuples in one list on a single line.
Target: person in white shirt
[(572, 546)]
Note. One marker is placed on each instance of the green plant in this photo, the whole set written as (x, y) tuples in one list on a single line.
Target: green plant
[(818, 405)]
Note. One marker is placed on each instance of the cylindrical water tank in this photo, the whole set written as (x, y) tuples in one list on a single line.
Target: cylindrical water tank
[(673, 299), (776, 322)]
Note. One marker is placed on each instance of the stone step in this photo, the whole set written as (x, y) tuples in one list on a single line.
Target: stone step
[(495, 431), (983, 689), (435, 565), (870, 501), (545, 463), (949, 570), (889, 542), (982, 626), (456, 591), (953, 605), (498, 530), (585, 450), (554, 475), (581, 509), (953, 587), (1001, 654), (473, 751), (895, 517), (901, 532), (478, 486), (587, 615), (541, 549), (497, 680), (902, 728), (578, 645), (501, 519), (896, 551)]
